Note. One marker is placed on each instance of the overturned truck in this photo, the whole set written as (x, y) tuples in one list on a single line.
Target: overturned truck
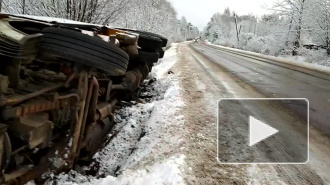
[(60, 82)]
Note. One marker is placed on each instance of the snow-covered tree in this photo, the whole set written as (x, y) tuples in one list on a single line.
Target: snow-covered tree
[(101, 11), (321, 29), (149, 15), (294, 10), (222, 28), (156, 16)]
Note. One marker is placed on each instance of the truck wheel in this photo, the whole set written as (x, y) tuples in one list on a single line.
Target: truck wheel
[(161, 52), (163, 39), (147, 40), (60, 43), (148, 57)]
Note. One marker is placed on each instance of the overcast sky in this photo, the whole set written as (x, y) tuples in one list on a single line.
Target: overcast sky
[(199, 12)]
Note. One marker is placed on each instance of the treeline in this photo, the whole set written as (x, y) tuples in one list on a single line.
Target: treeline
[(149, 15), (294, 27)]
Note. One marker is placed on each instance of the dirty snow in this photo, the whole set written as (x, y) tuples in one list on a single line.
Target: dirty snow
[(146, 148)]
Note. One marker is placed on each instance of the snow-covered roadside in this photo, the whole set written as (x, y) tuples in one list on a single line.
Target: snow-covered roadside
[(280, 60), (148, 148), (317, 58)]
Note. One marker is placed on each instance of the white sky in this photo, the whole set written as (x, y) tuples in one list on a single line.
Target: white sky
[(199, 12)]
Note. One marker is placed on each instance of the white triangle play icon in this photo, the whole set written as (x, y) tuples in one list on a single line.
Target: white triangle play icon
[(259, 131)]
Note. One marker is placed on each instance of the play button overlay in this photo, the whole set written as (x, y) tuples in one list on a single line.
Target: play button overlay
[(259, 131), (263, 131)]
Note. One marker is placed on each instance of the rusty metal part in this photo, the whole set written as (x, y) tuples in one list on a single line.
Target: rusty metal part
[(131, 50), (11, 178), (128, 39), (34, 107), (118, 87), (94, 99), (19, 149), (105, 109), (3, 16), (50, 78), (95, 133), (35, 130), (144, 69), (12, 70), (27, 173), (132, 79), (2, 148), (105, 89), (67, 96), (102, 91), (82, 90), (4, 83), (90, 108), (7, 151), (72, 77), (19, 99), (114, 40), (110, 31), (5, 147)]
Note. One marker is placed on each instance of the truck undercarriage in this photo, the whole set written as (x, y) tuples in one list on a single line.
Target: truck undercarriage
[(59, 86)]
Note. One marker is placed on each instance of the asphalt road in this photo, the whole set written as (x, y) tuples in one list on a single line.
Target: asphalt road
[(279, 82), (215, 74)]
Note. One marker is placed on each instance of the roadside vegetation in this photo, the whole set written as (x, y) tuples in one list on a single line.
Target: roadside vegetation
[(297, 28)]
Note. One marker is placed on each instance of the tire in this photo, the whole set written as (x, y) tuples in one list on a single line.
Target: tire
[(148, 57), (161, 53), (163, 39), (148, 37), (59, 43), (149, 42), (150, 66)]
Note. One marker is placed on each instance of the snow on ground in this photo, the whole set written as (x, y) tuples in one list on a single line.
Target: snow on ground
[(53, 19), (315, 57), (303, 62), (146, 148), (165, 64)]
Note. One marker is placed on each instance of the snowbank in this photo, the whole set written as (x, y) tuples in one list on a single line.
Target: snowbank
[(165, 64), (160, 173), (273, 46), (316, 57), (285, 61)]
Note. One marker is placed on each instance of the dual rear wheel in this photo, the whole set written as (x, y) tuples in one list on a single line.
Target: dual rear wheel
[(73, 46)]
